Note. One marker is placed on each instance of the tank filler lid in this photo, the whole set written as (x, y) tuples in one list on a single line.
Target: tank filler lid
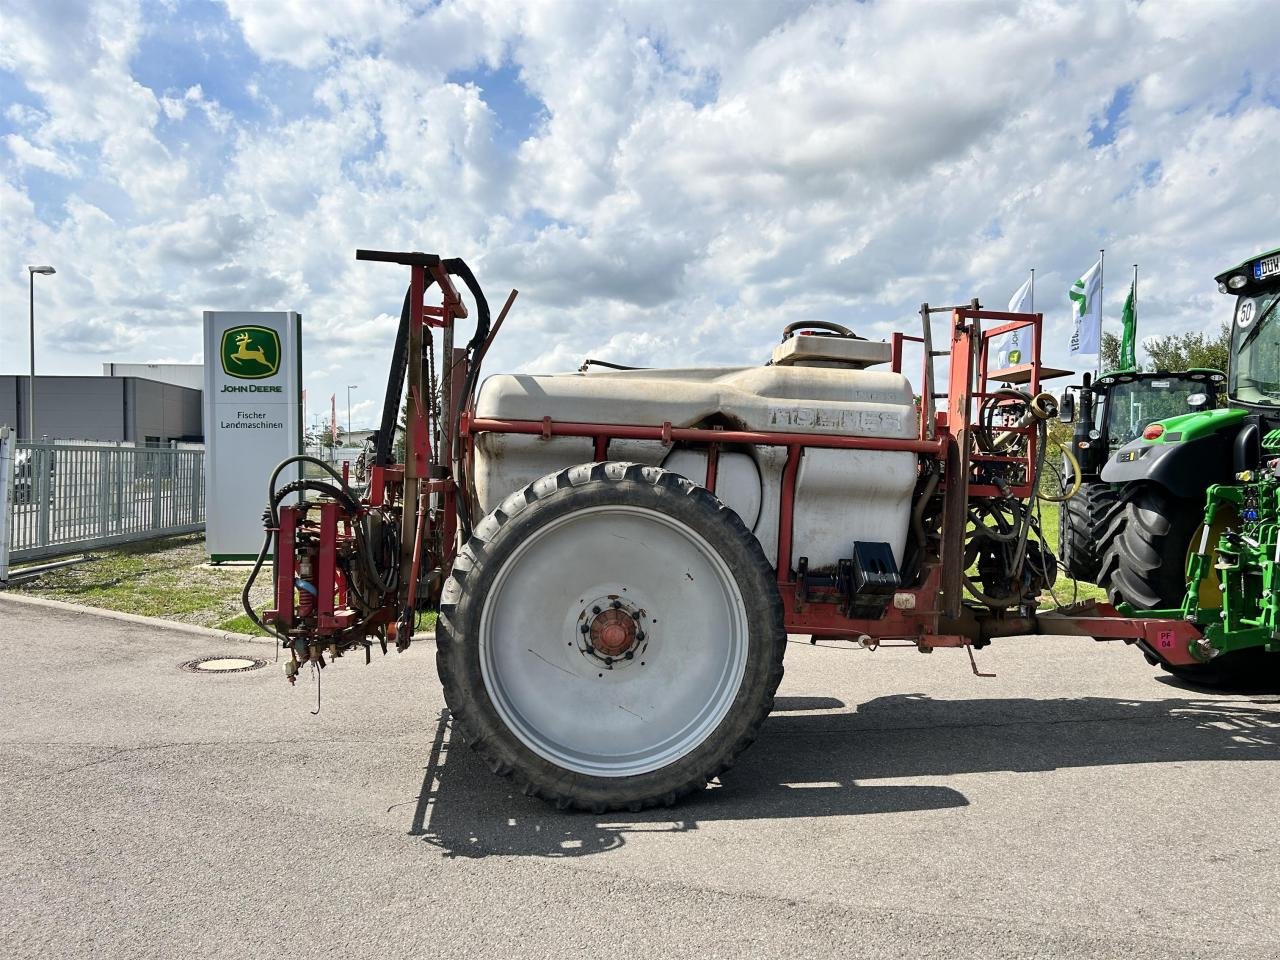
[(822, 350)]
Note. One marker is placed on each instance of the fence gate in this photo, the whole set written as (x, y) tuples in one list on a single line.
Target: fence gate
[(65, 497)]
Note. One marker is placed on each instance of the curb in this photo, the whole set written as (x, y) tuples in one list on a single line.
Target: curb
[(207, 633)]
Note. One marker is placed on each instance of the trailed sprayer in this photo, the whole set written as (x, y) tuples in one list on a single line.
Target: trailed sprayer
[(618, 555)]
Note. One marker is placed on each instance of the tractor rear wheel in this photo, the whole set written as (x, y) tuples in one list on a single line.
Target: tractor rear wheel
[(1082, 519), (1144, 560), (611, 637), (1249, 669), (1144, 548)]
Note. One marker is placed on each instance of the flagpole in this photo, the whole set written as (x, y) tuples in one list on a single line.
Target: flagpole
[(1135, 296), (1102, 272)]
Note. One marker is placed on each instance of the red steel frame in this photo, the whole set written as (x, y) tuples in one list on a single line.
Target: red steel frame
[(928, 614), (915, 613)]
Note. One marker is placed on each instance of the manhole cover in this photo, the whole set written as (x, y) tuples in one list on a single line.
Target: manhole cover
[(223, 664)]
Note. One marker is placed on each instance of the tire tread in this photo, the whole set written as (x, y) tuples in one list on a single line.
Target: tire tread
[(497, 755)]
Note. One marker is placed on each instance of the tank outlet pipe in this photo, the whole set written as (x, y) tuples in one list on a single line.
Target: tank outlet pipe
[(1043, 406)]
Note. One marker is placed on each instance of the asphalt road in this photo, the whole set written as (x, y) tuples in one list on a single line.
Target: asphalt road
[(896, 806)]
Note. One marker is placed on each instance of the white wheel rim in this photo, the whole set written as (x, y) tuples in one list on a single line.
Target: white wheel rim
[(688, 658)]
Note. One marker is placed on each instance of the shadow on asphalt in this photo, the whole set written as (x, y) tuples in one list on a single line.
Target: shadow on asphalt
[(808, 764)]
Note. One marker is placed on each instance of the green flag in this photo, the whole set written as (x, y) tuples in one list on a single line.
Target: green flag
[(1129, 336)]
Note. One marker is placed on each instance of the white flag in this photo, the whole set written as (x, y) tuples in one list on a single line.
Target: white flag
[(1020, 302), (1086, 311), (1009, 351)]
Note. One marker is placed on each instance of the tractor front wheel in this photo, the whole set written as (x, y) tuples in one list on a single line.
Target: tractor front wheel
[(611, 637), (1082, 519)]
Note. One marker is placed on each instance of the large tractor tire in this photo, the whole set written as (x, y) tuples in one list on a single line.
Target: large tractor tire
[(1247, 670), (1082, 520), (1144, 558), (1144, 548), (610, 637)]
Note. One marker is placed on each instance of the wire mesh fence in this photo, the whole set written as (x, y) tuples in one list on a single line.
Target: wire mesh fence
[(65, 497)]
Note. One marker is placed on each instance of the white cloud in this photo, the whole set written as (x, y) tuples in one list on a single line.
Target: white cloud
[(29, 155), (686, 182), (307, 34), (175, 108)]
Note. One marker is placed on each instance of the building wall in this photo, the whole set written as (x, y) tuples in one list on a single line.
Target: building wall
[(164, 411), (102, 408), (190, 375), (67, 408)]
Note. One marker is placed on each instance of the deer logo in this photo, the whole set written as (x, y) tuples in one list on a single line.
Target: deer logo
[(250, 353), (244, 352)]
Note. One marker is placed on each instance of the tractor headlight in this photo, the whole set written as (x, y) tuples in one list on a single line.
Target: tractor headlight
[(1238, 281), (1222, 288)]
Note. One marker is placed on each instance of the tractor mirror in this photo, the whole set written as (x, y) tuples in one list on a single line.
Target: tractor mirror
[(1067, 407)]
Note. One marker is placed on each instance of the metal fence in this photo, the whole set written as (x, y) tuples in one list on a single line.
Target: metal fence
[(65, 497)]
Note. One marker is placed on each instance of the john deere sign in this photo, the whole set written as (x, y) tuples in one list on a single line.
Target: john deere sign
[(252, 421), (250, 353)]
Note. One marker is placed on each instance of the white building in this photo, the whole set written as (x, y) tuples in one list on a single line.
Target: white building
[(190, 375)]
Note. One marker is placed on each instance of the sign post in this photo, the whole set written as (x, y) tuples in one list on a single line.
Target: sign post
[(252, 421)]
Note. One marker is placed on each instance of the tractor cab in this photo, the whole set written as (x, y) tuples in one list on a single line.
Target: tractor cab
[(1114, 410), (1254, 379), (1120, 405)]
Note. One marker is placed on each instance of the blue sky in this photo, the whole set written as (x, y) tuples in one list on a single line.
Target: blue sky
[(664, 183)]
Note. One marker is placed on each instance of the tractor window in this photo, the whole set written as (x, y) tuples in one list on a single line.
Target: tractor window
[(1133, 405), (1255, 336)]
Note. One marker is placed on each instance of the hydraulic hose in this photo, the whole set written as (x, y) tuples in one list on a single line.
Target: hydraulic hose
[(922, 504), (246, 603), (395, 384), (1018, 527), (458, 268), (340, 491), (1077, 478)]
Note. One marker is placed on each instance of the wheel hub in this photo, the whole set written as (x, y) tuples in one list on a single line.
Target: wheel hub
[(611, 632)]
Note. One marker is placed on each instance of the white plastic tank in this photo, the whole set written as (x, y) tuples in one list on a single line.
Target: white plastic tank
[(842, 496)]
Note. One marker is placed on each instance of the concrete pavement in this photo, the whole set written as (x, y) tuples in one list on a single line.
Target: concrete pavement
[(896, 806)]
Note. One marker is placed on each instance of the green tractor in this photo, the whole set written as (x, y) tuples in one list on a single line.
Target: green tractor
[(1113, 411), (1158, 522)]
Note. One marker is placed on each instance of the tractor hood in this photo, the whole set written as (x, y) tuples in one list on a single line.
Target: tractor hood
[(1192, 452), (1191, 426)]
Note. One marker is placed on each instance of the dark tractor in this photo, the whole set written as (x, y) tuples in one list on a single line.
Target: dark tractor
[(1163, 475), (1113, 411)]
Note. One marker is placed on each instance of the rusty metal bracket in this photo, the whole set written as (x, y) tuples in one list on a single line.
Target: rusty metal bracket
[(973, 662)]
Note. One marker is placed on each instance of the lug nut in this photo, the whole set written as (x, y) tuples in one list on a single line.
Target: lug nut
[(608, 661), (635, 615), (595, 609), (617, 604), (639, 635), (629, 654), (585, 628)]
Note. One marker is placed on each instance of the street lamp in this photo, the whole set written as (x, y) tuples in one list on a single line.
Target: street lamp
[(31, 393), (350, 387)]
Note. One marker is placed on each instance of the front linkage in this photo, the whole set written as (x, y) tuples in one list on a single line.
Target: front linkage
[(1233, 591)]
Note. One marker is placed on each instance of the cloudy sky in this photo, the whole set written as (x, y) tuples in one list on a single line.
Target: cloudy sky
[(665, 182)]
